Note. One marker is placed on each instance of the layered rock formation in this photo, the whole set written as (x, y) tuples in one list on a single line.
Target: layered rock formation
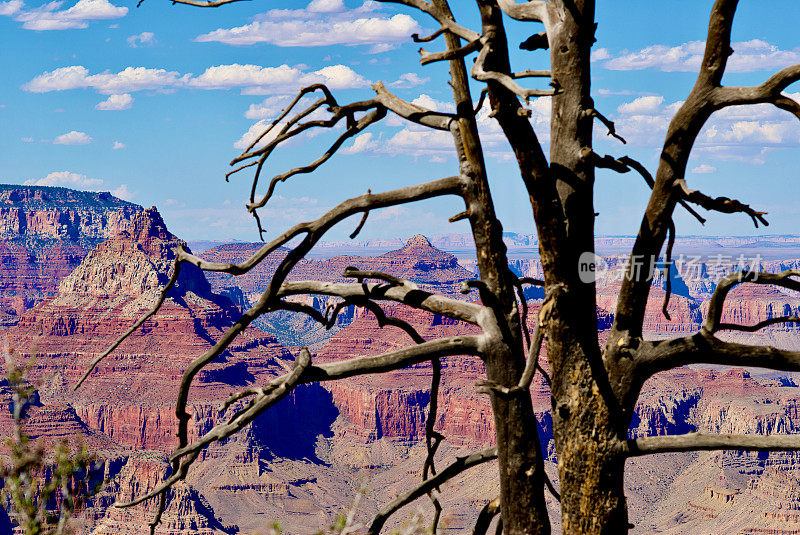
[(128, 402), (45, 232)]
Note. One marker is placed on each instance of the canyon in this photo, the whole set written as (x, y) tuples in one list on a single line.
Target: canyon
[(83, 267)]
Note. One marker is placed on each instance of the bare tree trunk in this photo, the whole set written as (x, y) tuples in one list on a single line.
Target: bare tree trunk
[(585, 425), (518, 450)]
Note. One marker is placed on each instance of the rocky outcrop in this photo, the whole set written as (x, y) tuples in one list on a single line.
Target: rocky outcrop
[(45, 232), (186, 510)]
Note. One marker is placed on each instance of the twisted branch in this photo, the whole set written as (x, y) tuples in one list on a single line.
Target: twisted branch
[(460, 465), (719, 204)]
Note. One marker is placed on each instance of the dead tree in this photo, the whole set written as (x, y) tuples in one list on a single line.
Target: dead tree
[(594, 388)]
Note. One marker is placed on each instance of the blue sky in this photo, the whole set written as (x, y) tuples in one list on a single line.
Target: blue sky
[(153, 102)]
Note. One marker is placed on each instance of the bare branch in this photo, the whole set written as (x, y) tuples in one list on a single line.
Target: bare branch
[(531, 74), (667, 269), (785, 279), (409, 295), (201, 3), (412, 112), (370, 118), (704, 348), (362, 222), (648, 178), (481, 74), (767, 93), (719, 204), (417, 39), (446, 22), (432, 57), (359, 275), (535, 10), (612, 131), (485, 517), (315, 229), (460, 465), (702, 441)]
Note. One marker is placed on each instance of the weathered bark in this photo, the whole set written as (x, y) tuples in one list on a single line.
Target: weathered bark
[(518, 451), (586, 428)]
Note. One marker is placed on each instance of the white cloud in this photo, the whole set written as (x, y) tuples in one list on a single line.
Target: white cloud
[(269, 107), (116, 103), (599, 54), (27, 140), (49, 17), (66, 178), (253, 133), (326, 6), (409, 79), (144, 38), (127, 80), (642, 105), (257, 80), (733, 133), (118, 145), (73, 138), (322, 23), (362, 143), (124, 193), (10, 8), (252, 79), (704, 169), (748, 56)]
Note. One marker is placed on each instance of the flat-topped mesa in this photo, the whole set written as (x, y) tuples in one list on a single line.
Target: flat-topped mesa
[(34, 216)]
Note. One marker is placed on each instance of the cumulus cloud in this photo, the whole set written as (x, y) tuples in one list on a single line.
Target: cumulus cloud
[(144, 38), (740, 132), (123, 193), (252, 79), (409, 79), (128, 80), (51, 17), (269, 107), (257, 80), (73, 138), (118, 145), (704, 169), (362, 143), (10, 8), (321, 23), (116, 103), (748, 56), (68, 179), (642, 105), (253, 133)]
